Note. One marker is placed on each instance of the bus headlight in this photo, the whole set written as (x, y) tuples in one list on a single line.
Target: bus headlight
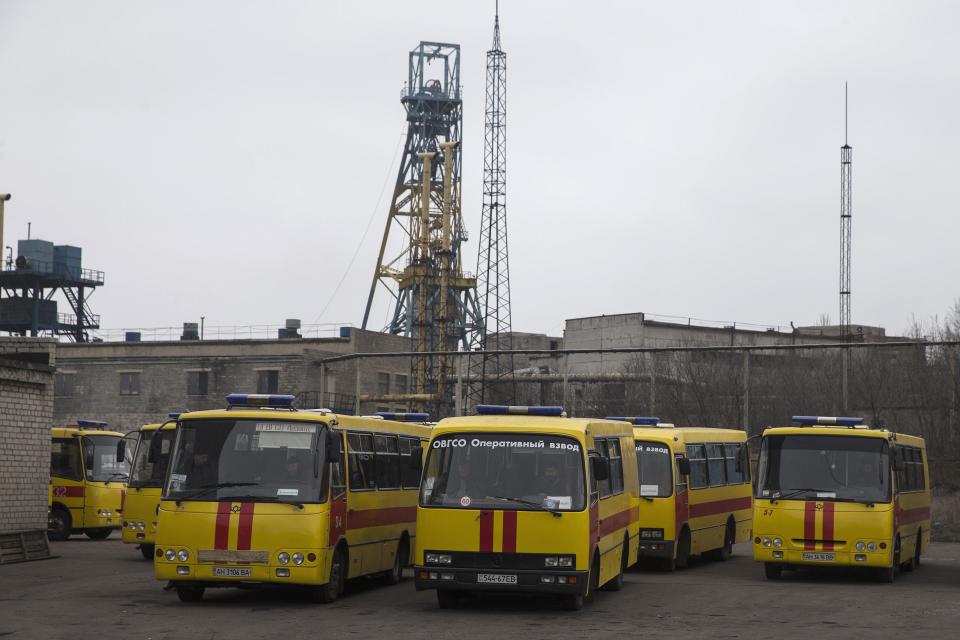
[(767, 541), (871, 546), (183, 555), (170, 555), (141, 526), (566, 561), (438, 558), (298, 558), (283, 557), (551, 561), (861, 546), (777, 542)]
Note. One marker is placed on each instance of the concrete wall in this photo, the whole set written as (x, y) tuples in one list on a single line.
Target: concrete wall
[(91, 376), (26, 412)]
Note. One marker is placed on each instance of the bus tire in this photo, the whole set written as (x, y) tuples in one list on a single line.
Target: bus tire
[(395, 575), (146, 550), (683, 549), (889, 574), (189, 592), (916, 555), (448, 599), (593, 580), (571, 602), (729, 534), (101, 533), (617, 583), (59, 524), (772, 570), (327, 593)]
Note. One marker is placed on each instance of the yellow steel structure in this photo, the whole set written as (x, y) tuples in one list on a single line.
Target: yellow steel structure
[(86, 482), (309, 498), (141, 502), (695, 492), (525, 503), (841, 495)]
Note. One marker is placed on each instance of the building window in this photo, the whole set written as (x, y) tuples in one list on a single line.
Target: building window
[(129, 383), (63, 385), (400, 384), (383, 383), (268, 381), (197, 383)]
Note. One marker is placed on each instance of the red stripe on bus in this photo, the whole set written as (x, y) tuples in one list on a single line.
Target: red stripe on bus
[(909, 516), (68, 492), (809, 525), (828, 526), (486, 531), (610, 524), (509, 531), (221, 536), (702, 509), (245, 528), (380, 517)]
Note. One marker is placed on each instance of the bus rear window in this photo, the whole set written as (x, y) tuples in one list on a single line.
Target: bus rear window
[(654, 466)]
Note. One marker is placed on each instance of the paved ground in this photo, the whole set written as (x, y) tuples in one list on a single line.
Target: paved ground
[(106, 590)]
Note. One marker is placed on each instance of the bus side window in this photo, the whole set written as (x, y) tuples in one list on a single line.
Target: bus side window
[(681, 479), (388, 461), (594, 485), (731, 452), (697, 456), (715, 465), (410, 467), (602, 451), (65, 459), (361, 464), (616, 466), (338, 484)]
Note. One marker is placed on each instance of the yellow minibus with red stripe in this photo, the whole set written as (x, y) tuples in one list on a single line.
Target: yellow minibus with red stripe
[(86, 481), (262, 493), (141, 503), (695, 491), (526, 500), (834, 492)]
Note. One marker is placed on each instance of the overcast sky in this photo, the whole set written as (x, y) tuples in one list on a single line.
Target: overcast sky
[(226, 158)]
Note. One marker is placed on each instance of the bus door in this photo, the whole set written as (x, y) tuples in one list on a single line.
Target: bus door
[(338, 495), (682, 500), (66, 471)]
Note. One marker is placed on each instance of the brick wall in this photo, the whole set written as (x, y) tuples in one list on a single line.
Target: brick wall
[(26, 414)]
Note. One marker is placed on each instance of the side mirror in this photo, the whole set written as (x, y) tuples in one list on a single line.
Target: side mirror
[(600, 467), (683, 465), (121, 451), (334, 453)]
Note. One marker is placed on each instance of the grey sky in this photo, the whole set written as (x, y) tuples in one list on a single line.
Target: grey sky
[(224, 158)]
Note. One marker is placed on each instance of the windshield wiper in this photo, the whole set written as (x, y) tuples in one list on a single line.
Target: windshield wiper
[(535, 505), (275, 499), (115, 474), (796, 492), (207, 488)]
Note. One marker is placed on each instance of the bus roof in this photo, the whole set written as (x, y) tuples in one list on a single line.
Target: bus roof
[(859, 431), (67, 432), (166, 426), (576, 427), (690, 434), (352, 422)]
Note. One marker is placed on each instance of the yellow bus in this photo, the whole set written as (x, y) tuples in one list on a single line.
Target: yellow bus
[(833, 492), (86, 480), (263, 493), (141, 502), (695, 491), (523, 499)]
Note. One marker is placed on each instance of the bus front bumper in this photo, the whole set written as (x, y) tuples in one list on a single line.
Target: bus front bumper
[(843, 558), (500, 580), (237, 575)]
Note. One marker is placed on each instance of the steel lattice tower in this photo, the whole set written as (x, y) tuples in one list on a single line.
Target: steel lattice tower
[(434, 302), (846, 219), (492, 374)]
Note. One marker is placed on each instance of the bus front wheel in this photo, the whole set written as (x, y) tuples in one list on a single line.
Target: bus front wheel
[(327, 593), (448, 599), (59, 524), (683, 550), (101, 533), (772, 570), (189, 592), (573, 602), (146, 550)]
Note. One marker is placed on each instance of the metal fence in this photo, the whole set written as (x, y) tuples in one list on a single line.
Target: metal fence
[(909, 387)]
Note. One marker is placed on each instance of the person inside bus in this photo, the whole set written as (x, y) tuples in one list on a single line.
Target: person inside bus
[(551, 484), (464, 480)]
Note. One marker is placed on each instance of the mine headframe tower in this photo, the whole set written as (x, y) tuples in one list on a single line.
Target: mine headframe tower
[(434, 301)]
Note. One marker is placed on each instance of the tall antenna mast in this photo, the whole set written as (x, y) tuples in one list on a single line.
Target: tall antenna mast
[(492, 374), (846, 219)]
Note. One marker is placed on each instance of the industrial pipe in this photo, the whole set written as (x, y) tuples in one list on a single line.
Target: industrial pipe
[(3, 198)]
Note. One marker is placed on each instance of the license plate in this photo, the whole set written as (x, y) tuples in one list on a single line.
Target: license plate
[(230, 572), (821, 557), (495, 578)]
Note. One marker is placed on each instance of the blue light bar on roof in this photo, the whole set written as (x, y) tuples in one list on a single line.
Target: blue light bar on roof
[(96, 424), (504, 410), (259, 400), (829, 421), (404, 417), (648, 421), (173, 415)]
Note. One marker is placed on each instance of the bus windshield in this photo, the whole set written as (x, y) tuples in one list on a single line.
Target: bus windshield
[(822, 467), (265, 460), (146, 473), (654, 463), (504, 471), (100, 459)]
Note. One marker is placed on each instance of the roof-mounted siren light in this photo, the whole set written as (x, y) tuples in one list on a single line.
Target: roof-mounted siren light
[(258, 400), (403, 417), (828, 421), (504, 410), (639, 421), (91, 424), (174, 415)]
